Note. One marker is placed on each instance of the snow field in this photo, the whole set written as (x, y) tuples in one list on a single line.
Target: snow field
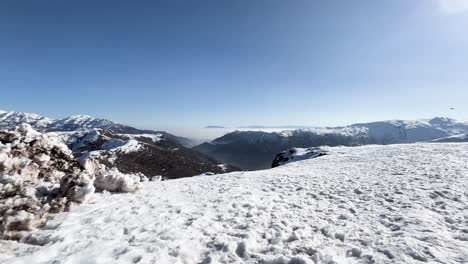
[(371, 204)]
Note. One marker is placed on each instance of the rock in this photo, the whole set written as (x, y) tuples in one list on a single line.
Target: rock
[(77, 188), (296, 154)]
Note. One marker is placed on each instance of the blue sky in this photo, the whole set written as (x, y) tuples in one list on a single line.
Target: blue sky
[(173, 63)]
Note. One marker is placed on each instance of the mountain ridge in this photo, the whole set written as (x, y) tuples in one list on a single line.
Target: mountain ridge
[(256, 149), (11, 119)]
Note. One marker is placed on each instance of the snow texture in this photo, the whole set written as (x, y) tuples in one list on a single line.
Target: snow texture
[(115, 181), (370, 204), (456, 138), (39, 177)]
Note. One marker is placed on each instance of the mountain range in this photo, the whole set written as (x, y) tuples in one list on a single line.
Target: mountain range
[(256, 149), (130, 150), (10, 119), (250, 150)]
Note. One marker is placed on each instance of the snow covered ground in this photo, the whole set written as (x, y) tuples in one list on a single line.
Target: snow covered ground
[(370, 204)]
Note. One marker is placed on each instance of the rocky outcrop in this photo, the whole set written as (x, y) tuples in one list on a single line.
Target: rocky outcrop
[(297, 154)]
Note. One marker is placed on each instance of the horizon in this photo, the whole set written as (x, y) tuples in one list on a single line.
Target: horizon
[(236, 64), (210, 132)]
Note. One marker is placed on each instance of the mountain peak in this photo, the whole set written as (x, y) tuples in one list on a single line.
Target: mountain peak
[(441, 120)]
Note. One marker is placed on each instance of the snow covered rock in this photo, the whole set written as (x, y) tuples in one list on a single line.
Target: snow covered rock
[(296, 154), (32, 165), (39, 177), (77, 188), (115, 181)]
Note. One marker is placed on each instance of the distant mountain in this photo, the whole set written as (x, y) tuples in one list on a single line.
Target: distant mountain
[(150, 154), (214, 127), (126, 148), (256, 150), (11, 119)]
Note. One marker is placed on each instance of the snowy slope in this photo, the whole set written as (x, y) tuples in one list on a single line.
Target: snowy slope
[(370, 204), (81, 121), (456, 138)]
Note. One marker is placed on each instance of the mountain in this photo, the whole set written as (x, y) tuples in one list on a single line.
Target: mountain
[(369, 204), (130, 150), (10, 120), (256, 149), (150, 154)]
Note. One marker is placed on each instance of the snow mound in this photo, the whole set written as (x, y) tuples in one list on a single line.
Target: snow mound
[(39, 177), (370, 204), (115, 181), (297, 154), (33, 167)]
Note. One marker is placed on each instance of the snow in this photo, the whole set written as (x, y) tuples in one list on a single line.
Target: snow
[(370, 204), (456, 138), (115, 181), (154, 137), (39, 178), (84, 120), (224, 167), (344, 131), (11, 119)]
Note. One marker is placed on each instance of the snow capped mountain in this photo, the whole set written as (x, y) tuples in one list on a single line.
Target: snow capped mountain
[(126, 148), (81, 121), (256, 149), (369, 204), (9, 120)]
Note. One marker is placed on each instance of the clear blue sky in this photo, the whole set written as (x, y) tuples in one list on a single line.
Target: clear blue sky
[(158, 64)]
